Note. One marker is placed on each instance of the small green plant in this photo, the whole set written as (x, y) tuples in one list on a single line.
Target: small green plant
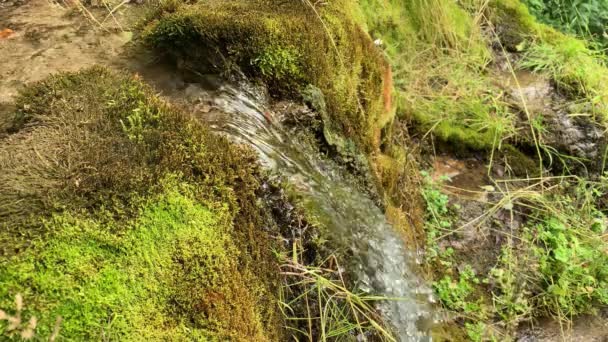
[(456, 294), (279, 63), (558, 267), (479, 332), (437, 218), (586, 18), (573, 267), (509, 296), (141, 115)]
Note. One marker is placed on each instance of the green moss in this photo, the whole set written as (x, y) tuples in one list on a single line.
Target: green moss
[(129, 218), (440, 76), (279, 62), (172, 275), (289, 45)]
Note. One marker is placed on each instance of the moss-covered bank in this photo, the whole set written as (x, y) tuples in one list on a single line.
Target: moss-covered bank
[(294, 45), (130, 220), (289, 45)]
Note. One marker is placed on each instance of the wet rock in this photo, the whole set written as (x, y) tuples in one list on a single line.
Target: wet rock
[(575, 133), (569, 129)]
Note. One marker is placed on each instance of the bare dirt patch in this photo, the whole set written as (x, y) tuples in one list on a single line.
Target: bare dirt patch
[(47, 37)]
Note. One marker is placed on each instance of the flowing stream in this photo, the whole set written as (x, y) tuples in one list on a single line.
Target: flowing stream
[(380, 262)]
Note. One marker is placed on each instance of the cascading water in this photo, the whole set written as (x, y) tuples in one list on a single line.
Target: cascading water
[(380, 262)]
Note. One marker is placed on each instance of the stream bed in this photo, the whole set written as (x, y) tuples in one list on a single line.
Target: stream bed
[(379, 260)]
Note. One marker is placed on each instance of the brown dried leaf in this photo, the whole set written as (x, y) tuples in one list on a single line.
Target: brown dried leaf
[(6, 33), (18, 302), (13, 323)]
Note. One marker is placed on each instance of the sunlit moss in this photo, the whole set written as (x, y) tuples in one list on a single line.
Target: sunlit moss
[(135, 223), (289, 45)]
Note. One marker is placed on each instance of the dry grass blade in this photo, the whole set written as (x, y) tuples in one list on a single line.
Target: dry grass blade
[(326, 306)]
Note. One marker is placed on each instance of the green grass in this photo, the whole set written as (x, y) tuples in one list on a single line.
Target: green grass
[(319, 305), (440, 71), (577, 70)]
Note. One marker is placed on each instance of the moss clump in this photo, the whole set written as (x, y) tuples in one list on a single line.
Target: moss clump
[(172, 275), (289, 45), (440, 78), (129, 219)]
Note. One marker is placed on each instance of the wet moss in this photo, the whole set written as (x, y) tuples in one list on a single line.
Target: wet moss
[(288, 45), (122, 208)]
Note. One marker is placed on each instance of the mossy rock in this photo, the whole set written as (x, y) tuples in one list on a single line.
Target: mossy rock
[(288, 45), (574, 67), (130, 219)]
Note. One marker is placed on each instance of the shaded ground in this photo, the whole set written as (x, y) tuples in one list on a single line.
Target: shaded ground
[(478, 241)]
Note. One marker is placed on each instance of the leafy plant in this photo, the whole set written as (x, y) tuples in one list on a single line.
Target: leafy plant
[(455, 294), (573, 264), (588, 18), (437, 219), (510, 295)]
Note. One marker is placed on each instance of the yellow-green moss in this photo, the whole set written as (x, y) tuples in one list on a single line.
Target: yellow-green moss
[(173, 275), (439, 70), (289, 45), (130, 219)]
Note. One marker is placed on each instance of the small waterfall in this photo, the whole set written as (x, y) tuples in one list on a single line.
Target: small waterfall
[(380, 262)]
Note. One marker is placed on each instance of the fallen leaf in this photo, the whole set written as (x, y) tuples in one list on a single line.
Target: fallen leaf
[(6, 33)]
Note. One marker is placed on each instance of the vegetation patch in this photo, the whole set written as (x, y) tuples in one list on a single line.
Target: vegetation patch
[(130, 220), (173, 274), (586, 19), (552, 266), (577, 69)]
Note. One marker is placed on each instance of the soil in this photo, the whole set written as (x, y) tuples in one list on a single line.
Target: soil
[(47, 37)]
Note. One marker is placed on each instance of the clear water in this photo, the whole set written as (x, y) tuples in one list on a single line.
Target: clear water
[(380, 261)]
